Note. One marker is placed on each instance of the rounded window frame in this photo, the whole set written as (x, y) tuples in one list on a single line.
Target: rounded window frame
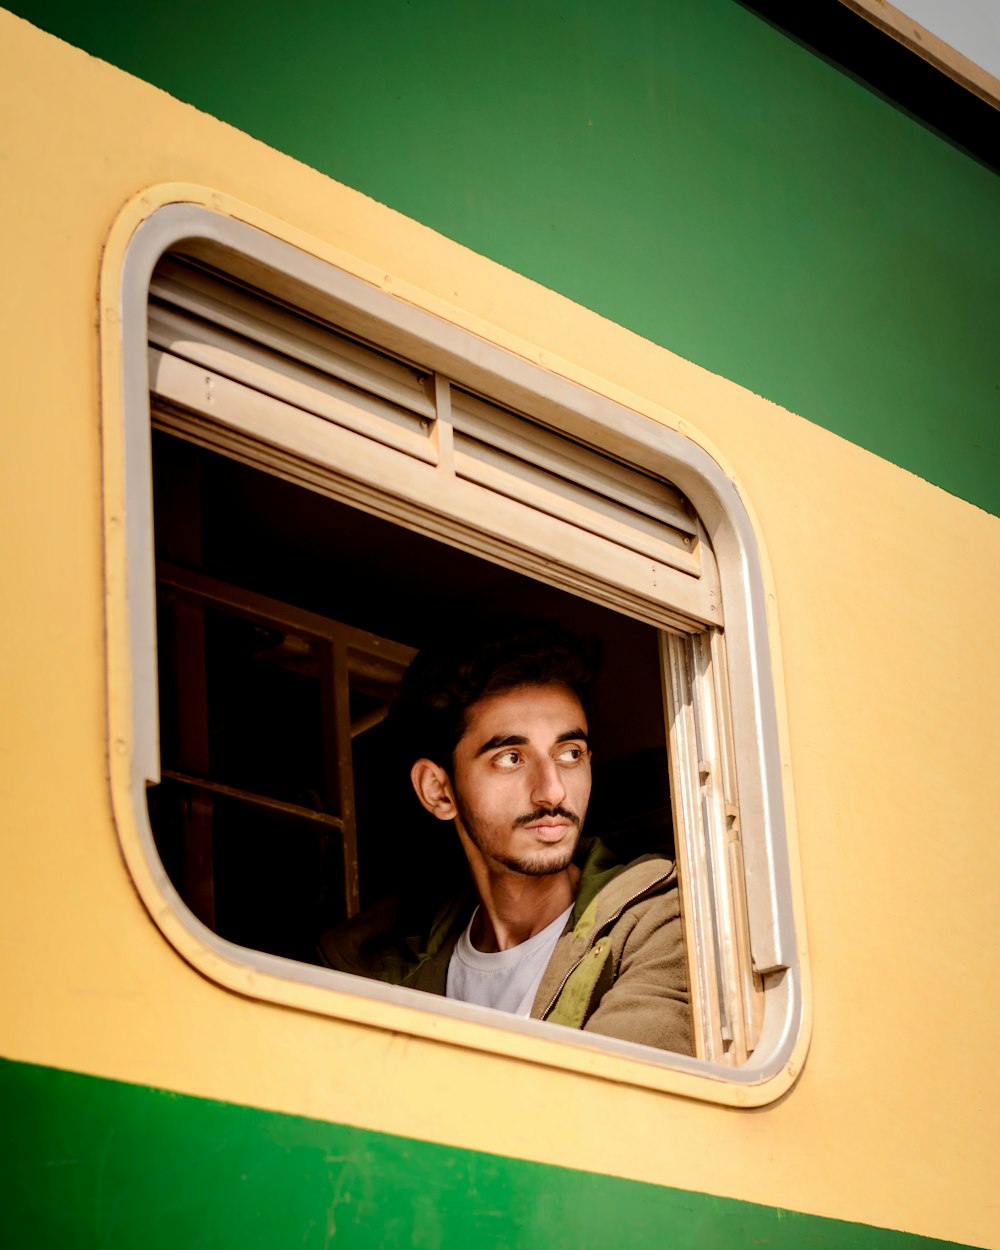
[(165, 218)]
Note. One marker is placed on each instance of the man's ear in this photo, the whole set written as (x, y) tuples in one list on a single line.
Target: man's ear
[(433, 787)]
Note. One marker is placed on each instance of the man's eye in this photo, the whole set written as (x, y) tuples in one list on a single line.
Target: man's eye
[(508, 759), (571, 755)]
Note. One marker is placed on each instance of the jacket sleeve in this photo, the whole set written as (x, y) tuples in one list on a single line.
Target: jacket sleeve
[(643, 996)]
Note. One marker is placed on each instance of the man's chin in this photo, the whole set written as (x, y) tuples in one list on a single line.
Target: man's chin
[(543, 863)]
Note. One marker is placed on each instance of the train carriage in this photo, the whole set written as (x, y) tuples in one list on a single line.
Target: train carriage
[(633, 343)]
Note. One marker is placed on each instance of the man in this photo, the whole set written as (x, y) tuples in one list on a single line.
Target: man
[(495, 728)]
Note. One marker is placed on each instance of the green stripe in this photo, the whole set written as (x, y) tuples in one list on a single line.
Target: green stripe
[(90, 1163), (685, 169)]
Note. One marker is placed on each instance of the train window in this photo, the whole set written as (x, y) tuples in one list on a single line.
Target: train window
[(334, 476)]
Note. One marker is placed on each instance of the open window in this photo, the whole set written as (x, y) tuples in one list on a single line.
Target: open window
[(334, 474)]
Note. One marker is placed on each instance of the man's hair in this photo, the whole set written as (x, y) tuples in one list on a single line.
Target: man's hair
[(459, 668)]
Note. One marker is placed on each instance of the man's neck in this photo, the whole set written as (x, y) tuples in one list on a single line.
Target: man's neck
[(514, 907)]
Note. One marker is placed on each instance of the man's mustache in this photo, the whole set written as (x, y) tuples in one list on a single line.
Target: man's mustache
[(540, 813)]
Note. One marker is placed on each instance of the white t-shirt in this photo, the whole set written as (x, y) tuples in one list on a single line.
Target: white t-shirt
[(507, 980)]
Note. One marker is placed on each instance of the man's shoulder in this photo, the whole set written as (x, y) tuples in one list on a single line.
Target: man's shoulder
[(609, 885)]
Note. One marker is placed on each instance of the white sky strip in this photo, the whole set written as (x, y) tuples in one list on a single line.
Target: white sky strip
[(972, 27)]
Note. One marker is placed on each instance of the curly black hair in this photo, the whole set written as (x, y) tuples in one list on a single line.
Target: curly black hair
[(464, 665)]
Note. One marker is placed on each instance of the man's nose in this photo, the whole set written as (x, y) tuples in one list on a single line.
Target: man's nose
[(548, 786)]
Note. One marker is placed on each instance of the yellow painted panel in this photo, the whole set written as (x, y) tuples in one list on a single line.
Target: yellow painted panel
[(887, 594)]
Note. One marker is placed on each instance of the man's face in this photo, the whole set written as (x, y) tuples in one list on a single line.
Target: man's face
[(521, 777)]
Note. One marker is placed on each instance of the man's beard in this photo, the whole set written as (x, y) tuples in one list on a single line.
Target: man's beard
[(543, 862)]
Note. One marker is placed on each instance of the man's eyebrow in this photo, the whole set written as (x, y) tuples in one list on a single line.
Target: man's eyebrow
[(519, 740), (503, 740)]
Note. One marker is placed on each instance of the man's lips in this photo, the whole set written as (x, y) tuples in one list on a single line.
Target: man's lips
[(551, 829)]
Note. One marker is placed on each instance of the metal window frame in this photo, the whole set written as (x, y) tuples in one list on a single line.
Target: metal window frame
[(592, 518), (583, 415)]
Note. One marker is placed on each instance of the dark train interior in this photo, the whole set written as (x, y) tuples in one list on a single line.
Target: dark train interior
[(260, 768)]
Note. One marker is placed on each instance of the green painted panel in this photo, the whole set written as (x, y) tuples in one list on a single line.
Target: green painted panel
[(684, 169), (90, 1163)]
